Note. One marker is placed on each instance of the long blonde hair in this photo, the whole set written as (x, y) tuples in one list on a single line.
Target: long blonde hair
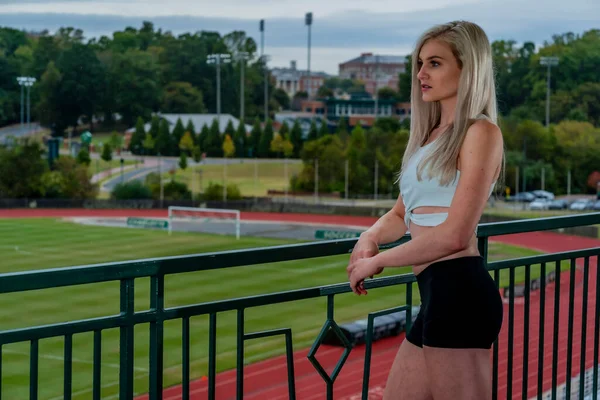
[(476, 98)]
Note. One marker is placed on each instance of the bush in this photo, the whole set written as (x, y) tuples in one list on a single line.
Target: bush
[(176, 191), (133, 190), (214, 191)]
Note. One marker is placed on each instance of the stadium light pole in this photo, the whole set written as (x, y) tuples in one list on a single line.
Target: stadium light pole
[(308, 19), (218, 59), (265, 59), (26, 81), (242, 56), (549, 62)]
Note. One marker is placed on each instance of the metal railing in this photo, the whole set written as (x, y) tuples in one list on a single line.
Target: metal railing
[(126, 273)]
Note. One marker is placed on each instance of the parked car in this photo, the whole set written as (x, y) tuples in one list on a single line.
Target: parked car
[(539, 204), (596, 205), (558, 205), (522, 197), (581, 204), (543, 194)]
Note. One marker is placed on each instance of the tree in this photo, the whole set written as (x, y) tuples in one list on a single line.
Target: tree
[(186, 144), (83, 157), (176, 137), (48, 110), (288, 147), (192, 130), (324, 91), (255, 136), (148, 143), (137, 138), (405, 81), (229, 129), (313, 134), (323, 129), (116, 141), (141, 99), (183, 161), (239, 139), (282, 98), (204, 132), (358, 179), (387, 93), (277, 144), (264, 144), (197, 154), (296, 138), (214, 141), (163, 140), (182, 98), (22, 170), (106, 152), (228, 146)]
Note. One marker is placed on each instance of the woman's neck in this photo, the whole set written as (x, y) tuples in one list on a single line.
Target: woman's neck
[(448, 107)]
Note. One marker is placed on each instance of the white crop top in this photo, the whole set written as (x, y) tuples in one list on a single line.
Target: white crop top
[(426, 192)]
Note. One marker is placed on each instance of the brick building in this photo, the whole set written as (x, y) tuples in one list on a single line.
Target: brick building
[(376, 71)]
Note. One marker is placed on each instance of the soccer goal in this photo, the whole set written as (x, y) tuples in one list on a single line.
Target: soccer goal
[(187, 214)]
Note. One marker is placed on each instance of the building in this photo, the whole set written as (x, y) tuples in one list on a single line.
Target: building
[(376, 71), (304, 119), (358, 110), (293, 80)]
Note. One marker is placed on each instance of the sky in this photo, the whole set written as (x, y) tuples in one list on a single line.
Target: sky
[(341, 30)]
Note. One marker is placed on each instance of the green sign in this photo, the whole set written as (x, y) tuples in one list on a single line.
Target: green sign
[(330, 235), (147, 223)]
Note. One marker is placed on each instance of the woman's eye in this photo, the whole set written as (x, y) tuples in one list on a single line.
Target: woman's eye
[(435, 63)]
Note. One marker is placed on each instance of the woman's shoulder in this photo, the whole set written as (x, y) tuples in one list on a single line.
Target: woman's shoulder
[(483, 133)]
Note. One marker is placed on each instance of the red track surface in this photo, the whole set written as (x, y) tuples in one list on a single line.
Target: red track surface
[(268, 379)]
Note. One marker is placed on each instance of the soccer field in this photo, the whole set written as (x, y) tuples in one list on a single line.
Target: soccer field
[(30, 244)]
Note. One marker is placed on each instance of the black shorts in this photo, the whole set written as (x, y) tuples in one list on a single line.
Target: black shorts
[(460, 306)]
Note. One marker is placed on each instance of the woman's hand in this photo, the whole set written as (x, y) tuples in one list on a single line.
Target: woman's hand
[(365, 248), (359, 270)]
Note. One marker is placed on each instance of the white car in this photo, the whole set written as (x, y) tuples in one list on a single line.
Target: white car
[(543, 194), (539, 204), (581, 204)]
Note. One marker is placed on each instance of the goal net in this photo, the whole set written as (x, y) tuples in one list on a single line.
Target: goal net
[(204, 215)]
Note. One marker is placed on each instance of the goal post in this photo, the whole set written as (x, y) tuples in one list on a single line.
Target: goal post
[(177, 213)]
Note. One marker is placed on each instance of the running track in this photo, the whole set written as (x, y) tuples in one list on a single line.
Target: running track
[(268, 379)]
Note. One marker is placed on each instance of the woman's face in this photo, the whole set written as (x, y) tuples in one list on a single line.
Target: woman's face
[(439, 71)]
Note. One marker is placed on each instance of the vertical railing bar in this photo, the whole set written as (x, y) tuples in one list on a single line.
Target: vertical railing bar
[(570, 330), (596, 333), (185, 358), (33, 369), (212, 355), (584, 306), (526, 332), (157, 293), (290, 365), (96, 384), (511, 327), (330, 317), (126, 340), (240, 355), (68, 366), (556, 328), (542, 331), (495, 352)]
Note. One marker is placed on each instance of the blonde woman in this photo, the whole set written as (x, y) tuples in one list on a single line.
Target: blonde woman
[(453, 159)]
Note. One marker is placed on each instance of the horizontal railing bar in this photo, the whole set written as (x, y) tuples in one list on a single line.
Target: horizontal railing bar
[(105, 272), (562, 256)]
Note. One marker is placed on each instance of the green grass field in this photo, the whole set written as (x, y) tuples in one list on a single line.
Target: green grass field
[(271, 176), (32, 244)]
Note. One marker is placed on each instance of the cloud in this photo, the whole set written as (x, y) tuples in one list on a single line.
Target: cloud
[(340, 35)]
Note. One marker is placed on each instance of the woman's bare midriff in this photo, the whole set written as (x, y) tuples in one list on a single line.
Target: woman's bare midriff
[(416, 231)]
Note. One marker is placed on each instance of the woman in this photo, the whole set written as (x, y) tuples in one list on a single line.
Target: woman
[(453, 159)]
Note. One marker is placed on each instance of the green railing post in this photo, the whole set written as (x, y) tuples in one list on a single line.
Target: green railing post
[(570, 330), (96, 384), (511, 329), (68, 364), (526, 332), (126, 340), (556, 329), (240, 354), (596, 333), (33, 369), (540, 382), (157, 301), (212, 355), (185, 358), (584, 306)]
